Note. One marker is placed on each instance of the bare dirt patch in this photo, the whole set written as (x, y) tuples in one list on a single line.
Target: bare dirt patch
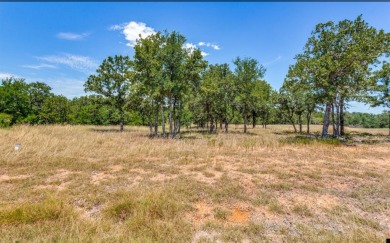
[(238, 215), (98, 177), (11, 178)]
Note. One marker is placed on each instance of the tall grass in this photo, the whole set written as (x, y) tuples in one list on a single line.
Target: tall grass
[(95, 184)]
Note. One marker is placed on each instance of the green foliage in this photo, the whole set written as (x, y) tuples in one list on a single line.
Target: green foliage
[(337, 62), (366, 120), (5, 120), (247, 73), (55, 109), (14, 98), (113, 81), (170, 84)]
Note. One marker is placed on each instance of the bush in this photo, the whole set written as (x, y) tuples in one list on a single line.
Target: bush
[(5, 120)]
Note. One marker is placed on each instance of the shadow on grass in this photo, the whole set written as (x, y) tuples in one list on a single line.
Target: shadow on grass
[(365, 134), (309, 139), (217, 132), (110, 130)]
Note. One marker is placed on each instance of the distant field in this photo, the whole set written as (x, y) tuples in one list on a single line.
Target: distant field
[(94, 184)]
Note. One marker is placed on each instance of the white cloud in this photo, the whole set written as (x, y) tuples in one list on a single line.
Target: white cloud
[(216, 47), (39, 66), (133, 30), (189, 46), (7, 75), (71, 36), (79, 63), (207, 44), (273, 61), (204, 53)]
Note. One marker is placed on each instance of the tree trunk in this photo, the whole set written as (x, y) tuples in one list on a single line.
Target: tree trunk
[(156, 123), (163, 121), (337, 132), (245, 122), (150, 127), (121, 114), (325, 126), (211, 124), (300, 122), (176, 129), (227, 125), (254, 120), (342, 122), (170, 117), (334, 125), (220, 124), (308, 116), (293, 123), (389, 122)]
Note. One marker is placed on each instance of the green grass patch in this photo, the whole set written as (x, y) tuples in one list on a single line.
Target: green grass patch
[(31, 213), (302, 210), (155, 216), (220, 213)]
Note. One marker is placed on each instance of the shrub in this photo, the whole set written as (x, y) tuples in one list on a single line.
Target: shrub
[(5, 120)]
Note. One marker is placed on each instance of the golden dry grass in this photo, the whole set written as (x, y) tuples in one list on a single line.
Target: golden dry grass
[(94, 184)]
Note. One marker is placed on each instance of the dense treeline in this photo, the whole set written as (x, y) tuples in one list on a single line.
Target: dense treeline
[(167, 86), (34, 103)]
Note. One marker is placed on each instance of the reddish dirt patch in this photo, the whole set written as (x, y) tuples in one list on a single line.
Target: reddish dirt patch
[(239, 216), (202, 213)]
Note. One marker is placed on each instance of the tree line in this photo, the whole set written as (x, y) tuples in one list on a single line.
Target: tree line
[(166, 85)]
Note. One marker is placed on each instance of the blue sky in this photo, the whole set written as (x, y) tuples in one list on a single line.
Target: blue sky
[(62, 43)]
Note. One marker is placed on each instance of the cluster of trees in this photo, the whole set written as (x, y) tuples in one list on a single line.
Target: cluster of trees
[(167, 84), (366, 120), (34, 103), (337, 66)]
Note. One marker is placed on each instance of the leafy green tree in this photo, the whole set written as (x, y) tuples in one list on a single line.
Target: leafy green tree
[(225, 94), (287, 106), (338, 57), (149, 86), (113, 81), (247, 72), (181, 74), (299, 85), (262, 102), (14, 99), (381, 89), (55, 109), (5, 120), (38, 92)]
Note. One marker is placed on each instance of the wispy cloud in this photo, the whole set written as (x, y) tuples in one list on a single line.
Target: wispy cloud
[(273, 61), (7, 75), (76, 62), (72, 36), (207, 44), (39, 66), (133, 30)]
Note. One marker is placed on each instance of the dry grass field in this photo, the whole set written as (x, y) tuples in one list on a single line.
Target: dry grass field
[(94, 184)]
